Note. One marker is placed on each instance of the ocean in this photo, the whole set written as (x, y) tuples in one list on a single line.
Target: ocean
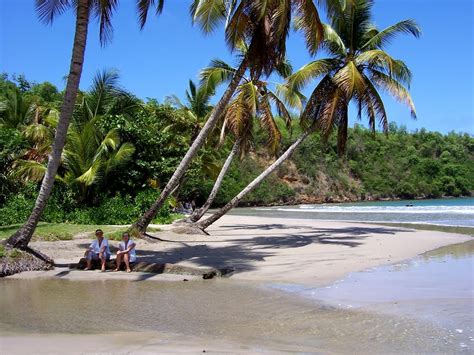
[(446, 212)]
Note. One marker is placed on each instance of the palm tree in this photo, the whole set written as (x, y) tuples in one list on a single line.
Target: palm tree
[(16, 109), (263, 25), (357, 68), (253, 99), (195, 111), (47, 11), (90, 154)]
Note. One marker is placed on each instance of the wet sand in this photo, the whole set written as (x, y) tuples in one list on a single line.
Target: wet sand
[(222, 315), (50, 311)]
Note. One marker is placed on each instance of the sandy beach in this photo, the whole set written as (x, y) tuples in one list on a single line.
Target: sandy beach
[(310, 252), (234, 314)]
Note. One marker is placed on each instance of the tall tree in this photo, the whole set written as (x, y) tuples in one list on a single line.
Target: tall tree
[(252, 102), (358, 66), (47, 11), (263, 25)]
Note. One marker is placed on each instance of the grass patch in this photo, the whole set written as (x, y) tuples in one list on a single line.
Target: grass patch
[(2, 251), (429, 227), (65, 231)]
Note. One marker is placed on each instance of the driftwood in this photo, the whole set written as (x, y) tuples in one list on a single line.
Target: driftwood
[(158, 268)]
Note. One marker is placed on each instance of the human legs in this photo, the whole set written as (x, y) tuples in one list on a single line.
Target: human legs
[(126, 259), (89, 256), (118, 261)]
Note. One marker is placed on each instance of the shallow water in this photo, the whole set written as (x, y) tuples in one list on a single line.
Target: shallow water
[(447, 212), (221, 309), (437, 288)]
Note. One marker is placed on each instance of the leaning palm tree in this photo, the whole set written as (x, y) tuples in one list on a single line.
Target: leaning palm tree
[(357, 69), (48, 10), (253, 100), (262, 24)]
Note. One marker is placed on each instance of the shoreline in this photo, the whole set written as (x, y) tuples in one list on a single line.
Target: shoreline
[(299, 252), (349, 200), (310, 252)]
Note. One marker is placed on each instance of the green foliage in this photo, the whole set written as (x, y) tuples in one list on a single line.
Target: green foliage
[(62, 208), (402, 164), (2, 251)]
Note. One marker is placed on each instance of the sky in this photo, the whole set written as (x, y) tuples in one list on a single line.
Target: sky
[(159, 61)]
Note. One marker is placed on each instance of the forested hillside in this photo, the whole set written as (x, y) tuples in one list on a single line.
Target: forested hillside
[(120, 151)]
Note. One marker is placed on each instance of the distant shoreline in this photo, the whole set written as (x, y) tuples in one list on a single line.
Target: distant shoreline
[(319, 201)]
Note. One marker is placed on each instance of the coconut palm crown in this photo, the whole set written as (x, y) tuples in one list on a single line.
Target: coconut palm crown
[(357, 69), (263, 25)]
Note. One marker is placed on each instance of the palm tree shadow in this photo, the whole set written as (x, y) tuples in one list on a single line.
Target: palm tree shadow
[(237, 257)]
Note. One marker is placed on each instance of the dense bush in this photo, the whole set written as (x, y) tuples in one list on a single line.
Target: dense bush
[(115, 210)]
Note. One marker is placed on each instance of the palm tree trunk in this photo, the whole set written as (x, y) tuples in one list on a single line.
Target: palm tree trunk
[(142, 223), (255, 183), (198, 213), (22, 237)]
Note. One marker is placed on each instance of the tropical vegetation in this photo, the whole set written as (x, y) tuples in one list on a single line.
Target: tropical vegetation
[(402, 164), (119, 159)]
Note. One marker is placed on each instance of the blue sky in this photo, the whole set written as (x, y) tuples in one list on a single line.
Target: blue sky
[(160, 60)]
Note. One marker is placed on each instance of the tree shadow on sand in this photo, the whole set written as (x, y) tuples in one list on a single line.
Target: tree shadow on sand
[(242, 253)]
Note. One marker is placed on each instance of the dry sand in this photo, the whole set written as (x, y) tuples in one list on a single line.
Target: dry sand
[(310, 252)]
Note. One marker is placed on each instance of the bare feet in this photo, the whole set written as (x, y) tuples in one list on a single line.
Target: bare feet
[(128, 270), (102, 270)]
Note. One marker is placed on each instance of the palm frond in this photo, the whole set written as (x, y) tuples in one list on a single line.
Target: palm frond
[(311, 71), (174, 100), (293, 98), (380, 60), (91, 175), (47, 10), (384, 37), (350, 80), (120, 157), (333, 42), (312, 110), (104, 10), (374, 107), (267, 121), (217, 73), (330, 113), (238, 27), (395, 88), (309, 22), (143, 6), (38, 134), (29, 170), (209, 14), (109, 143)]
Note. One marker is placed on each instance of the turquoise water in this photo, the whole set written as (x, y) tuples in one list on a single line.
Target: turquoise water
[(448, 212)]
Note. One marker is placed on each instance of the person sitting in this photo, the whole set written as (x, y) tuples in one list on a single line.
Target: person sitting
[(126, 253), (98, 250)]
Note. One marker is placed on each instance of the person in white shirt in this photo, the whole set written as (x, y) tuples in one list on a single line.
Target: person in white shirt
[(126, 252), (98, 250)]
